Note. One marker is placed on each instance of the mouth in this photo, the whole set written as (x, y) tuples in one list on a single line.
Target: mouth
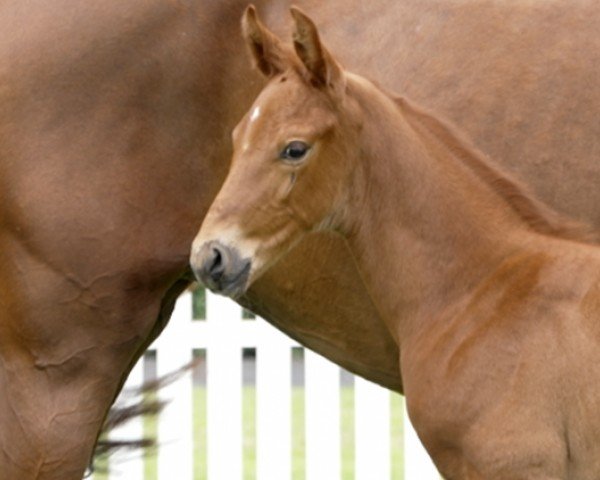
[(221, 269), (233, 287)]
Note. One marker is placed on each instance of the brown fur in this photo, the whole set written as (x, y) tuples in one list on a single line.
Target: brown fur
[(114, 139), (493, 305), (537, 215)]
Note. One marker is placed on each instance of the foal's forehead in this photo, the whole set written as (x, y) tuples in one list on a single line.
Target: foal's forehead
[(286, 109), (286, 97)]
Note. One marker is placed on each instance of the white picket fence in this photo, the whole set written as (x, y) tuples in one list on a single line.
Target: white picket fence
[(223, 336)]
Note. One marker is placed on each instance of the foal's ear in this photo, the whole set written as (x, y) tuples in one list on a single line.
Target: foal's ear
[(323, 70), (266, 49)]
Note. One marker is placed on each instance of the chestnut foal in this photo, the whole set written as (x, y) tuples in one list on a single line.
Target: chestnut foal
[(493, 302)]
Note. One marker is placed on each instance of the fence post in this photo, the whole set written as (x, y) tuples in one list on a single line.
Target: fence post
[(224, 389), (273, 404), (322, 403), (175, 440), (371, 430)]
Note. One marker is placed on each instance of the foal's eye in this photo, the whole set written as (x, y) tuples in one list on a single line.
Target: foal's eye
[(295, 151)]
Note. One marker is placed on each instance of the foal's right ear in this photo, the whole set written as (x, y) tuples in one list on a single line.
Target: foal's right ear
[(321, 67), (266, 49)]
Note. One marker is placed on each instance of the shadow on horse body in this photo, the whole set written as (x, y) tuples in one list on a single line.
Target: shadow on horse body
[(114, 139), (492, 298)]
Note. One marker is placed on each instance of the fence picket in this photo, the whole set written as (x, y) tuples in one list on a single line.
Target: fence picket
[(273, 404), (322, 406), (175, 440), (224, 389), (372, 430)]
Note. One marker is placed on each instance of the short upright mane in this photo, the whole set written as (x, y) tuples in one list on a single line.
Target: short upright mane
[(533, 212)]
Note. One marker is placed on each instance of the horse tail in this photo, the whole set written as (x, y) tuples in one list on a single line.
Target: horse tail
[(138, 403)]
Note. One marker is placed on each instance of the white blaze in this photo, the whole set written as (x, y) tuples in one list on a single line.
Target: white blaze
[(255, 114)]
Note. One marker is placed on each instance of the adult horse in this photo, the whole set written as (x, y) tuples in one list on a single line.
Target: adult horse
[(114, 127), (493, 301)]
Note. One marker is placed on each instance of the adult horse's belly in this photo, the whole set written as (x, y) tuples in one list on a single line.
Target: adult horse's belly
[(520, 80)]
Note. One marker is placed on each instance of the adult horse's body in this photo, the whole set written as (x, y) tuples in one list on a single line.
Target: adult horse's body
[(491, 297), (114, 139)]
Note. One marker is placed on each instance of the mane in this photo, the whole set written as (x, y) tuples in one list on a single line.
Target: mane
[(538, 216)]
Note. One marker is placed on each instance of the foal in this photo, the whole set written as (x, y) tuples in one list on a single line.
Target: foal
[(492, 300)]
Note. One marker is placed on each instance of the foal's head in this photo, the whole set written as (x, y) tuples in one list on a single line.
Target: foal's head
[(293, 154)]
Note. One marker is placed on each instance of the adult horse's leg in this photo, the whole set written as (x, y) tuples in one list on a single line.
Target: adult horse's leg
[(65, 343)]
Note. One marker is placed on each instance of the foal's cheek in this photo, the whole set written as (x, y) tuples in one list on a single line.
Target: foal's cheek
[(291, 183), (287, 185)]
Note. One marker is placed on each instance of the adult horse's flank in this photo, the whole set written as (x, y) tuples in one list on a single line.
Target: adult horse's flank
[(491, 298)]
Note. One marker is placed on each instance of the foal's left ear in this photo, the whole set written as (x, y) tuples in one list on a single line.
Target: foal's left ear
[(322, 69)]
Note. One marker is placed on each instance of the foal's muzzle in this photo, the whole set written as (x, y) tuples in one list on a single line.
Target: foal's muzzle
[(221, 269)]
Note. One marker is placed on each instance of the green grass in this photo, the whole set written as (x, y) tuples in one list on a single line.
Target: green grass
[(397, 432), (298, 445)]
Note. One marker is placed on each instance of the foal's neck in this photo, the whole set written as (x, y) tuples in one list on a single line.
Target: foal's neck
[(426, 228)]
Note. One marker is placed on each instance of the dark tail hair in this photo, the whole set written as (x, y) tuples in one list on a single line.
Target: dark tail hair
[(142, 403)]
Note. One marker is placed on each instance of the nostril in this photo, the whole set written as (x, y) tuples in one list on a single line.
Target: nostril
[(217, 259), (221, 268), (216, 266)]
